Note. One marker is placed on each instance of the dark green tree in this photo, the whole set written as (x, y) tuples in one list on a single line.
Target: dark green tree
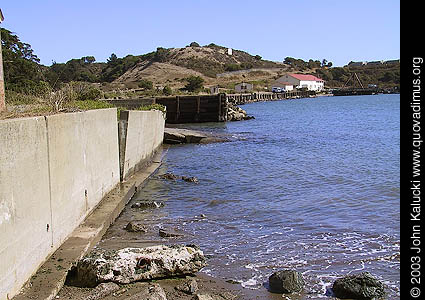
[(194, 44), (161, 54), (112, 60), (194, 83), (145, 84), (22, 72)]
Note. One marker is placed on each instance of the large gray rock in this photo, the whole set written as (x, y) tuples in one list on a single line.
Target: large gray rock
[(286, 281), (178, 136), (135, 226), (358, 286), (135, 264)]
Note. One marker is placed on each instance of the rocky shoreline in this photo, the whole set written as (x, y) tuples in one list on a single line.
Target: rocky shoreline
[(171, 271), (155, 271)]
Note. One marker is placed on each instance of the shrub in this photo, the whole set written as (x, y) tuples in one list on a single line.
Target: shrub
[(194, 83), (90, 104), (232, 67), (90, 94), (167, 90), (154, 106), (145, 84)]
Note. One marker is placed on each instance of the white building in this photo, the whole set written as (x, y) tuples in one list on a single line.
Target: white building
[(311, 82)]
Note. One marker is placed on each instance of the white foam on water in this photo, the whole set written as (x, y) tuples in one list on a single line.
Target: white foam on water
[(250, 283)]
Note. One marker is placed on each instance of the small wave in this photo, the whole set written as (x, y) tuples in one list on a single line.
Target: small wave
[(250, 283)]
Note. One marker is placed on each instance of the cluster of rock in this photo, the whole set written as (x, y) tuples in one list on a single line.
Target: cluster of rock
[(173, 177), (187, 289), (356, 286), (129, 265), (235, 113)]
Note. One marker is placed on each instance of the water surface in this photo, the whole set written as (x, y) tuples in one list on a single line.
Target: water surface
[(310, 184)]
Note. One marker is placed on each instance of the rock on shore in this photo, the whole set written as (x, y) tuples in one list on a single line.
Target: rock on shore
[(235, 113), (135, 264), (358, 286), (286, 281)]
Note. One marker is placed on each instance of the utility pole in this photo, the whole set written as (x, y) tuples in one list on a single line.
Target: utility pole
[(2, 97)]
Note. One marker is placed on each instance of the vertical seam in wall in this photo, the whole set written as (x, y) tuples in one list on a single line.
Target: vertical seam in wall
[(122, 140), (50, 179)]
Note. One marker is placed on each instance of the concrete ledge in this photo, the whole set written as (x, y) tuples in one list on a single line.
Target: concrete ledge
[(50, 278)]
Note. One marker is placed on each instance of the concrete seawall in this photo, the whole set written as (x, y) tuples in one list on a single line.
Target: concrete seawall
[(54, 171), (25, 239), (140, 133)]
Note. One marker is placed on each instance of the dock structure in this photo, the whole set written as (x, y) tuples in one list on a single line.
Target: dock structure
[(205, 108), (183, 109), (267, 96), (356, 91)]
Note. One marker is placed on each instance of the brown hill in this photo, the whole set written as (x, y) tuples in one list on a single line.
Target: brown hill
[(212, 63)]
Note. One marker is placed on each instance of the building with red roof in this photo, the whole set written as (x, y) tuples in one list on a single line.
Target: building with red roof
[(311, 82)]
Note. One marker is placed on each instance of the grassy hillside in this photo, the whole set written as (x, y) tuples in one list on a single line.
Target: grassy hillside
[(166, 71)]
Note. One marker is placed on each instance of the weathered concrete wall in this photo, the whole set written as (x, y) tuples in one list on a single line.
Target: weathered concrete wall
[(53, 171), (84, 165), (25, 219), (144, 134)]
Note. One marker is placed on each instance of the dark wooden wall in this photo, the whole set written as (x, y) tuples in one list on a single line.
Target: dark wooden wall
[(184, 109)]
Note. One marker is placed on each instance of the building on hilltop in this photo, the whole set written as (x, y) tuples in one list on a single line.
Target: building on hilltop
[(310, 82)]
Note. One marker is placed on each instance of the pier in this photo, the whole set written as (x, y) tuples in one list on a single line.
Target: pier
[(205, 108), (183, 109), (267, 96), (355, 91)]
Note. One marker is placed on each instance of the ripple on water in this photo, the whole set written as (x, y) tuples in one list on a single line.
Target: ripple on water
[(309, 184)]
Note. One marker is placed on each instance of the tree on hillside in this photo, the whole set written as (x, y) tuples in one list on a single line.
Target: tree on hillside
[(145, 84), (22, 71), (161, 54), (73, 70), (194, 44), (88, 59), (112, 60), (115, 66), (194, 83)]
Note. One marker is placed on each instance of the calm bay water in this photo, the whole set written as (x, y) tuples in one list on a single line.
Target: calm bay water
[(310, 184)]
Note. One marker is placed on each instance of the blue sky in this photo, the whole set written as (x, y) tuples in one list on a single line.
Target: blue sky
[(339, 30)]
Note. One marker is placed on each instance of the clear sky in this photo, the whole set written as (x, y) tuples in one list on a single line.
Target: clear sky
[(337, 30)]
